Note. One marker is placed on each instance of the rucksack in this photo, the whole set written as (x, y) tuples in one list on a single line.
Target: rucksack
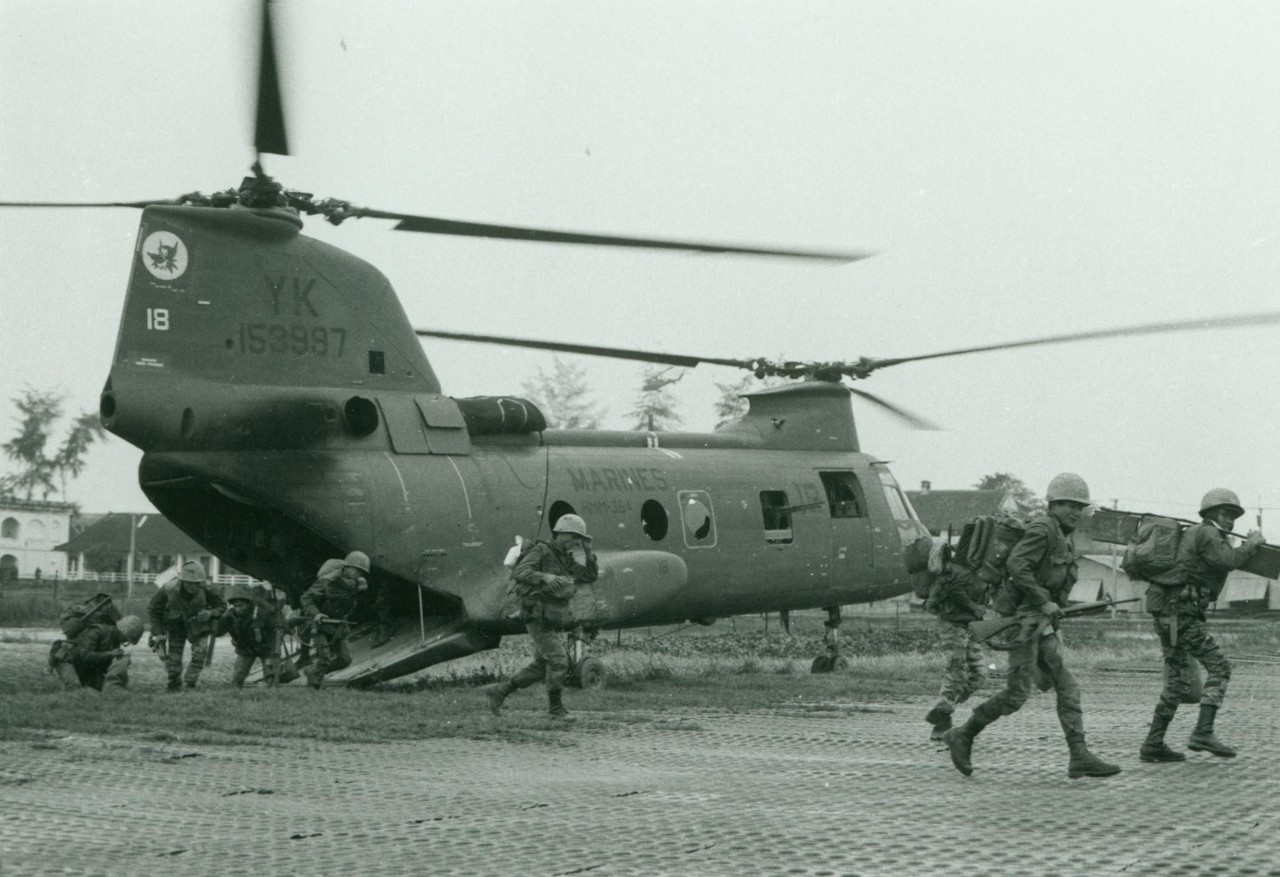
[(1152, 556), (75, 617), (922, 581), (985, 544)]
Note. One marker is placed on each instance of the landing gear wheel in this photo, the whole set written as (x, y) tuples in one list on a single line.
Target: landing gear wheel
[(828, 664), (589, 673)]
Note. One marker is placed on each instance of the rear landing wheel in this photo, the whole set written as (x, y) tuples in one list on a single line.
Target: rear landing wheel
[(828, 664), (589, 673)]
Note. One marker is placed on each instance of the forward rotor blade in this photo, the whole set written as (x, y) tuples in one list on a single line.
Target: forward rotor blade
[(915, 421), (587, 350), (435, 225), (870, 365), (137, 204), (269, 130)]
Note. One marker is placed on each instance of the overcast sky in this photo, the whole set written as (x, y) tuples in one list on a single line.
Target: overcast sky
[(1023, 169)]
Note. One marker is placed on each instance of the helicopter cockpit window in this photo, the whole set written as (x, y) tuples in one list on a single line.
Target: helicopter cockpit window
[(699, 523), (844, 494), (898, 505), (777, 516)]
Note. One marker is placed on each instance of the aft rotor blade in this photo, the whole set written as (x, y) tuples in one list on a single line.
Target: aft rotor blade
[(436, 225), (1269, 318), (915, 421), (269, 129), (587, 350)]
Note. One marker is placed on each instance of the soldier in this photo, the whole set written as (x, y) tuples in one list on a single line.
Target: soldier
[(75, 619), (958, 597), (1041, 570), (1204, 559), (254, 627), (546, 576), (327, 603), (183, 611), (97, 657)]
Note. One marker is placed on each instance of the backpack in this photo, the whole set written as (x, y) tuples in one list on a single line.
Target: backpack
[(922, 581), (75, 617), (985, 544), (1152, 556)]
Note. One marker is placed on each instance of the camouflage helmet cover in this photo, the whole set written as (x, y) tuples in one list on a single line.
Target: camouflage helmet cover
[(192, 571), (358, 559), (240, 592), (1067, 487), (571, 524), (131, 627), (1219, 497)]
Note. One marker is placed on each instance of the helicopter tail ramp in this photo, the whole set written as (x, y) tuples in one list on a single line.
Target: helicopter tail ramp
[(434, 641)]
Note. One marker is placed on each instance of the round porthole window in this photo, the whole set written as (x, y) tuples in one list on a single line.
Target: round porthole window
[(653, 519)]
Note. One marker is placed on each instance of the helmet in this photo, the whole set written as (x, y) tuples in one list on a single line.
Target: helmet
[(131, 627), (571, 524), (1067, 487), (358, 559), (1220, 496), (240, 592), (192, 571)]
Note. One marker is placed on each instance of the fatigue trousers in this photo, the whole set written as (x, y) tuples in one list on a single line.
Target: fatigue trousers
[(115, 675), (964, 671), (333, 652), (550, 662), (173, 661), (1194, 641), (244, 663), (1040, 656)]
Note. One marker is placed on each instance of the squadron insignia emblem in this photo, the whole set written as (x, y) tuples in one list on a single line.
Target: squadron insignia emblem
[(165, 255)]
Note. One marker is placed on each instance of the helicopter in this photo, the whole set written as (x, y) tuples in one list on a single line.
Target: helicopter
[(287, 413)]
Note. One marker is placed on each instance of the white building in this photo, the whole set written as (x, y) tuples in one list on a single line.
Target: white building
[(29, 532)]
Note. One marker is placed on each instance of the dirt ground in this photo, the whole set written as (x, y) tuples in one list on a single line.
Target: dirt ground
[(833, 788)]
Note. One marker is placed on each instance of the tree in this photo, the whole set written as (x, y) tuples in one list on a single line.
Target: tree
[(731, 405), (562, 396), (40, 471), (1025, 498), (655, 404)]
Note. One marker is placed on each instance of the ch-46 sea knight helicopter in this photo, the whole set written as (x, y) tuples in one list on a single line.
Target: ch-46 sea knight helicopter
[(287, 414)]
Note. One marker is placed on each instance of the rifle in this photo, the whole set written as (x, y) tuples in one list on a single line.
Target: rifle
[(987, 628)]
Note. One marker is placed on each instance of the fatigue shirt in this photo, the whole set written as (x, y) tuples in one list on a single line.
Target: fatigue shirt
[(547, 559), (335, 597), (1204, 559), (94, 649), (253, 635), (173, 611), (1041, 568)]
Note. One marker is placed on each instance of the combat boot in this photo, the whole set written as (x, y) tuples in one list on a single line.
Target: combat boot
[(1153, 749), (556, 708), (960, 742), (1203, 738), (496, 694), (940, 718), (1085, 764), (314, 678), (380, 637)]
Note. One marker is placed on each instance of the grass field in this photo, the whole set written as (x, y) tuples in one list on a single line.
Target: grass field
[(660, 677)]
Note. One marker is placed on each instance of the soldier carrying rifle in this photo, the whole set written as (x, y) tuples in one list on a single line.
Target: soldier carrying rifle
[(1204, 558), (327, 603), (183, 611), (1042, 570)]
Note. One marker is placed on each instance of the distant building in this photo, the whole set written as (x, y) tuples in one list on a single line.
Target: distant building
[(101, 550), (942, 509), (30, 531)]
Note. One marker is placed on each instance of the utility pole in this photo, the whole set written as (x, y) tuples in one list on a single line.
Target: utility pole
[(133, 544), (1115, 504)]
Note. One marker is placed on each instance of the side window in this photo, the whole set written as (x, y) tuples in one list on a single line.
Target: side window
[(699, 521), (777, 516), (9, 529), (844, 494), (898, 505), (653, 519)]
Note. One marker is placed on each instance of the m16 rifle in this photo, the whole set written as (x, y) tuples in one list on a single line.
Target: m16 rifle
[(1008, 632)]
